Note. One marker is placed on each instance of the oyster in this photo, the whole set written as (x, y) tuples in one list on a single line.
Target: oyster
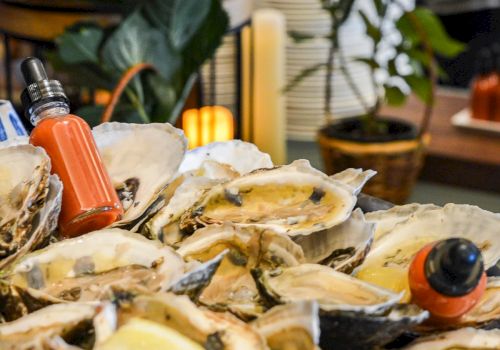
[(182, 195), (342, 247), (355, 178), (242, 156), (213, 330), (24, 174), (141, 160), (463, 339), (90, 267), (387, 262), (290, 326), (295, 199), (64, 325), (232, 287)]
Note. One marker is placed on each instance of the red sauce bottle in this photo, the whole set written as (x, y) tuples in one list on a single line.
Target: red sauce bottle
[(447, 278), (484, 88), (495, 115), (89, 199)]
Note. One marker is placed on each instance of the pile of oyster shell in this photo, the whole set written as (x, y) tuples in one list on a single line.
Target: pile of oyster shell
[(226, 250)]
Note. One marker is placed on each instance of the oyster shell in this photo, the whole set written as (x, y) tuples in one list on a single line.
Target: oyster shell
[(141, 160), (355, 178), (465, 338), (387, 262), (232, 287), (213, 330), (61, 325), (295, 199), (242, 156), (90, 267), (342, 247), (24, 174), (290, 326), (334, 291)]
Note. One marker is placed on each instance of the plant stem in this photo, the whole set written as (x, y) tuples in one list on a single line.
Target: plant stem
[(134, 99), (330, 66), (350, 81)]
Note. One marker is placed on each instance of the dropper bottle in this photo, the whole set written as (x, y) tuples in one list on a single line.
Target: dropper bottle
[(447, 278), (483, 87), (89, 200)]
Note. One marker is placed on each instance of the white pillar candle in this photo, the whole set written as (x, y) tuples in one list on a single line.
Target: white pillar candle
[(268, 122)]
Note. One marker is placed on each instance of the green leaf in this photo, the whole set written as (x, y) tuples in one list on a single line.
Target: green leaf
[(394, 96), (179, 19), (380, 7), (391, 67), (371, 62), (371, 29), (80, 45), (408, 32), (299, 37), (420, 85), (135, 41), (164, 95), (303, 75)]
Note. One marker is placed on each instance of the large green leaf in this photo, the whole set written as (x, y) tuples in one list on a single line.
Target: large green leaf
[(394, 96), (421, 86), (179, 19), (80, 45), (135, 41)]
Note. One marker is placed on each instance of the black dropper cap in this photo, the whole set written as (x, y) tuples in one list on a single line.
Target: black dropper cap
[(39, 89), (454, 267), (484, 62)]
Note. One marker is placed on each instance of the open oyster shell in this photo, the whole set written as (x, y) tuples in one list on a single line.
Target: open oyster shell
[(141, 160), (463, 339), (355, 178), (387, 262), (242, 156), (295, 199), (232, 287), (89, 267), (342, 247), (213, 330), (290, 326), (24, 185), (60, 326)]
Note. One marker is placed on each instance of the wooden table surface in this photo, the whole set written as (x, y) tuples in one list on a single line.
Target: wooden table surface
[(456, 156)]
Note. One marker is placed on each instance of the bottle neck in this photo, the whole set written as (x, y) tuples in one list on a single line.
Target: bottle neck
[(48, 110)]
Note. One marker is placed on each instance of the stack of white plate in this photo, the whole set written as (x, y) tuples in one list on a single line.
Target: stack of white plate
[(305, 103), (222, 76)]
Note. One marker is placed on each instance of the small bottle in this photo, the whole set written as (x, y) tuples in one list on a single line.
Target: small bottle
[(447, 278), (89, 200), (484, 87)]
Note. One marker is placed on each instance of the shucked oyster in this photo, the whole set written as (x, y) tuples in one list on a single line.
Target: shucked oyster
[(354, 314), (295, 199), (61, 326), (30, 200), (141, 160), (387, 262), (242, 156), (462, 339), (87, 268), (232, 287)]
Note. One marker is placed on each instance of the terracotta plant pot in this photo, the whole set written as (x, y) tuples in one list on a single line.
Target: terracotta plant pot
[(397, 156)]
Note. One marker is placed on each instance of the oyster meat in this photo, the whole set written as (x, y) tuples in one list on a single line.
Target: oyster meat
[(463, 339), (242, 156), (232, 287), (295, 199), (387, 262), (141, 160), (290, 326)]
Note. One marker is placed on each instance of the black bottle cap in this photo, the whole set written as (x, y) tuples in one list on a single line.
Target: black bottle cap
[(454, 267), (484, 62), (39, 89)]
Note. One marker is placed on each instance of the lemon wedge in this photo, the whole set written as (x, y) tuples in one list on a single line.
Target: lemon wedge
[(140, 334)]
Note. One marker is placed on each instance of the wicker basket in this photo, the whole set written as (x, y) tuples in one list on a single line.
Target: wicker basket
[(398, 163)]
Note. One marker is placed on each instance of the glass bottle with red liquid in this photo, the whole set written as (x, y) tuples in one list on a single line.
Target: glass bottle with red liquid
[(89, 199), (484, 87)]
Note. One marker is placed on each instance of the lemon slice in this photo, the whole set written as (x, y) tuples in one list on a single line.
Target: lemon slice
[(140, 334)]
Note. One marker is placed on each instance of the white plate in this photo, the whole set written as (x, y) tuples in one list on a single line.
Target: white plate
[(463, 119)]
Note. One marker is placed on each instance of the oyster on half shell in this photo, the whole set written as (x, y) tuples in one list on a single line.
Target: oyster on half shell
[(387, 262), (462, 339), (232, 287), (141, 160), (295, 199)]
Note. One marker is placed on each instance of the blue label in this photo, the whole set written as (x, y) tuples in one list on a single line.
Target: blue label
[(17, 125), (3, 134)]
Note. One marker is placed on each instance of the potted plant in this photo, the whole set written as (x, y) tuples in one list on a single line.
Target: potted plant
[(147, 63), (393, 147)]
